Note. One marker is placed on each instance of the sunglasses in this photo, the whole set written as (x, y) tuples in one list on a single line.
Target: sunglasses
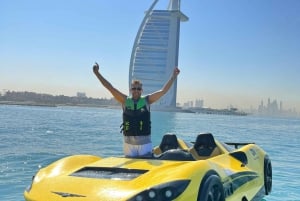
[(136, 88)]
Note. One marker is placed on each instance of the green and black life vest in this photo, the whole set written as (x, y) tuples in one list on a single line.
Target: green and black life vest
[(136, 118)]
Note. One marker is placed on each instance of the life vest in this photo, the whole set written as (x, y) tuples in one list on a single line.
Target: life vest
[(136, 118)]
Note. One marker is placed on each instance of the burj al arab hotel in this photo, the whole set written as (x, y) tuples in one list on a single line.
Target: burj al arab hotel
[(155, 51)]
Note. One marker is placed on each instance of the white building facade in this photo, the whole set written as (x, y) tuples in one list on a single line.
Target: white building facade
[(155, 51)]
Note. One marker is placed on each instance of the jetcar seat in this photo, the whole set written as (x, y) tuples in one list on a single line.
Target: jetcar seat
[(168, 142), (205, 147)]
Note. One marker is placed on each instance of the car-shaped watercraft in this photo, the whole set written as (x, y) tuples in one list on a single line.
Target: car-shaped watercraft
[(206, 170)]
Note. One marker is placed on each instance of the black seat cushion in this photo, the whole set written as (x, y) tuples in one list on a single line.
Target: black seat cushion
[(205, 144), (168, 142)]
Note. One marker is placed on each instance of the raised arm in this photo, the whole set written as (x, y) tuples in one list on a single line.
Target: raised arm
[(120, 97), (156, 95)]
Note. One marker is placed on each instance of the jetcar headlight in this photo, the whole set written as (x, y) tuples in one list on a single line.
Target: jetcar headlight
[(164, 192)]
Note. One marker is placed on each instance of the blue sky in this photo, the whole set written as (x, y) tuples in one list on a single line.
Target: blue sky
[(233, 52)]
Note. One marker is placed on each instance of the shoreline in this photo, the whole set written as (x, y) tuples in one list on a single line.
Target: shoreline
[(207, 111), (31, 103), (182, 110)]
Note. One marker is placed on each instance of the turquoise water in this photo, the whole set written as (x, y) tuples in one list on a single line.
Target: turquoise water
[(33, 137)]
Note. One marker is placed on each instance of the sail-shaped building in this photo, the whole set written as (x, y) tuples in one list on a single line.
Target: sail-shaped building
[(155, 51)]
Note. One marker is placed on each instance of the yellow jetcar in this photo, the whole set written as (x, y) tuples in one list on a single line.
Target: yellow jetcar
[(207, 170)]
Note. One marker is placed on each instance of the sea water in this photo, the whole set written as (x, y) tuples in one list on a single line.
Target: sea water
[(33, 137)]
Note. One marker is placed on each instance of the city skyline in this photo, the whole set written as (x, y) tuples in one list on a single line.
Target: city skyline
[(231, 53), (271, 107), (266, 106)]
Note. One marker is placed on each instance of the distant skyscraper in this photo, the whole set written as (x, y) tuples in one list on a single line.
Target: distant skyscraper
[(155, 51)]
